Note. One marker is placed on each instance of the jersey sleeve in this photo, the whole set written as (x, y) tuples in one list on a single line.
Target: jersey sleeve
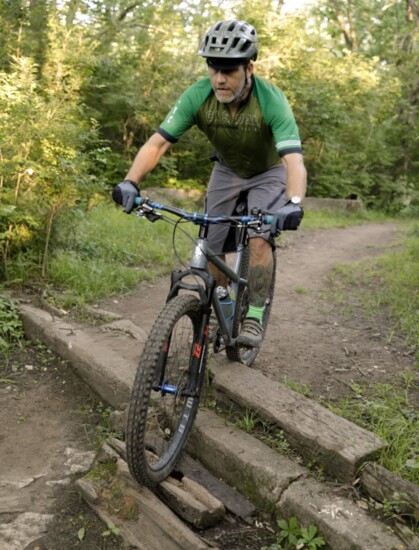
[(183, 115), (279, 116)]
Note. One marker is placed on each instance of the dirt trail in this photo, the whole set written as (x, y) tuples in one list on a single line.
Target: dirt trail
[(308, 340)]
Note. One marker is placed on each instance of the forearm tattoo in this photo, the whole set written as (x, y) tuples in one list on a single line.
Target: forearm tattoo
[(260, 278)]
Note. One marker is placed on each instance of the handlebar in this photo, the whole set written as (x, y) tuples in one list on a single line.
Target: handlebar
[(147, 208)]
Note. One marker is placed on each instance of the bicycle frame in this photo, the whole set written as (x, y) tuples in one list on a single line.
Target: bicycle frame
[(199, 267), (205, 283)]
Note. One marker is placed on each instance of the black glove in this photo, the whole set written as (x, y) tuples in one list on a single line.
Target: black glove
[(288, 217), (125, 194)]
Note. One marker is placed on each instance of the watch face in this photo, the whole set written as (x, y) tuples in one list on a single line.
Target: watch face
[(295, 200)]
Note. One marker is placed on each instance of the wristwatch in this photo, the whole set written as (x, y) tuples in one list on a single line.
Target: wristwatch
[(295, 199)]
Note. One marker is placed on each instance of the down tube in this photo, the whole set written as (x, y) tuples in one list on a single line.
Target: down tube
[(222, 266)]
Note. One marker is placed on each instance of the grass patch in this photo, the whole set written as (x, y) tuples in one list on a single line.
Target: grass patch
[(86, 280), (327, 219), (397, 278), (266, 431), (303, 389), (104, 251), (391, 413)]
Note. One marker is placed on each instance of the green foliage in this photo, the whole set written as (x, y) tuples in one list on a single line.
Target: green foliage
[(390, 412), (292, 536), (104, 251), (84, 84), (11, 328), (303, 389), (344, 106), (104, 430), (275, 438), (81, 533), (386, 35), (267, 432), (42, 167), (248, 421), (398, 273), (111, 530)]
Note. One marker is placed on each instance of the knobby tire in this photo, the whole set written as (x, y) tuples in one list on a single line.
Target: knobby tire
[(159, 423)]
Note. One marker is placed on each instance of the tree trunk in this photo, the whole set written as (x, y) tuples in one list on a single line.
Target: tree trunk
[(412, 11), (53, 211), (346, 25)]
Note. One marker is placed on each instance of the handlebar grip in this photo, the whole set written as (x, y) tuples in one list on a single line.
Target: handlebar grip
[(138, 201)]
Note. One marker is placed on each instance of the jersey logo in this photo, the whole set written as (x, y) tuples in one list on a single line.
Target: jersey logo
[(243, 122)]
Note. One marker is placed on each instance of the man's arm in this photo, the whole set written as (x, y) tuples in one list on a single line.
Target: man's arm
[(296, 175), (147, 158)]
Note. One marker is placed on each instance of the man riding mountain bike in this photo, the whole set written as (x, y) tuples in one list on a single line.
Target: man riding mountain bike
[(257, 151)]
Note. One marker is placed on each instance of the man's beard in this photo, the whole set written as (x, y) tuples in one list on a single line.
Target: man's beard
[(236, 98)]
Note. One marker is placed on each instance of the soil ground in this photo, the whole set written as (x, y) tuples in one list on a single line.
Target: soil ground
[(46, 410)]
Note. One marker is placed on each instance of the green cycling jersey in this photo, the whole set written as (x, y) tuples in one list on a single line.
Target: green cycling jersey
[(263, 128)]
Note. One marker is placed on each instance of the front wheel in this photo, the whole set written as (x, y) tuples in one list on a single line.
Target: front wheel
[(163, 404), (242, 354)]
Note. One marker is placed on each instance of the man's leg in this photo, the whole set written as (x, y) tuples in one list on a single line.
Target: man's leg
[(260, 273), (260, 277), (220, 277), (223, 190)]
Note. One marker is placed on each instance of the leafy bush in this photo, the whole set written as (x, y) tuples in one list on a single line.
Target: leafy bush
[(11, 328)]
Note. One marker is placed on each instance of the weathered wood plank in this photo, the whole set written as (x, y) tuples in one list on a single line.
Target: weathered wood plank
[(341, 522), (145, 522), (337, 444), (191, 502), (188, 499), (383, 485), (233, 501), (119, 446), (109, 369), (241, 460)]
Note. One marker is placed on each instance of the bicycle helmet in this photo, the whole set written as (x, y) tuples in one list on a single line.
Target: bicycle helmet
[(231, 41)]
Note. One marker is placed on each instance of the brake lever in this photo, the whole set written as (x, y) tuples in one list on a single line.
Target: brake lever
[(258, 213), (146, 211)]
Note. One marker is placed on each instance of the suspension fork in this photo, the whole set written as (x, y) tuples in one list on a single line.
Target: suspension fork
[(196, 361), (205, 290)]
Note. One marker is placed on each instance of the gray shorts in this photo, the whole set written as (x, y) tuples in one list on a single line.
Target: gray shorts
[(265, 191)]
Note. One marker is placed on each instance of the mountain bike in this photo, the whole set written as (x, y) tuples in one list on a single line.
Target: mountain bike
[(171, 374)]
